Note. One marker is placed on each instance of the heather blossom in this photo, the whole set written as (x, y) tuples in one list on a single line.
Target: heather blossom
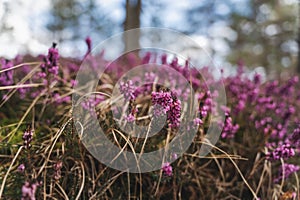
[(27, 137), (198, 122), (6, 78), (59, 99), (286, 171), (50, 65), (206, 104), (296, 137), (92, 101), (23, 91), (57, 170), (88, 41), (130, 118), (149, 79), (167, 169), (174, 156), (128, 89), (282, 151), (29, 190), (89, 103), (21, 168), (162, 102), (165, 102), (229, 129), (174, 114)]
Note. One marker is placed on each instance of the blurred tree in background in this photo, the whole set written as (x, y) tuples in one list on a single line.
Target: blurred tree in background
[(71, 18), (261, 33), (267, 36), (132, 20)]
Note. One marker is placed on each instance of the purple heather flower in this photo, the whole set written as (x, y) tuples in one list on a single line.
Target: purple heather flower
[(229, 129), (164, 59), (73, 82), (128, 89), (185, 94), (92, 101), (27, 137), (57, 170), (53, 57), (283, 151), (296, 137), (257, 79), (174, 63), (50, 64), (174, 114), (167, 169), (6, 78), (206, 104), (23, 91), (167, 103), (287, 170), (149, 79), (130, 118), (288, 88), (88, 42), (29, 190), (21, 168), (197, 122), (57, 165), (146, 58), (162, 102), (174, 156), (59, 99), (204, 111)]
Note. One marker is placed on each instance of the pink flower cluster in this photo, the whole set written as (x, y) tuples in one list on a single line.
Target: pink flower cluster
[(90, 103), (162, 102), (287, 170), (167, 103), (57, 170), (50, 65), (21, 168), (174, 113), (27, 137), (295, 138), (283, 151), (167, 169), (128, 89), (229, 129), (6, 78), (29, 190)]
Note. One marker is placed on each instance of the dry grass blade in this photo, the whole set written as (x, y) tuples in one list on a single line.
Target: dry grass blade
[(8, 171), (237, 168), (20, 65), (20, 86), (53, 144), (62, 191), (27, 77), (10, 135), (83, 181)]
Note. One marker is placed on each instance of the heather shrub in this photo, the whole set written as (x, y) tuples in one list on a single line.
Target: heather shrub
[(43, 156)]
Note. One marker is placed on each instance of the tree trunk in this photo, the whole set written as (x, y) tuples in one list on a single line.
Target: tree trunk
[(132, 20)]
